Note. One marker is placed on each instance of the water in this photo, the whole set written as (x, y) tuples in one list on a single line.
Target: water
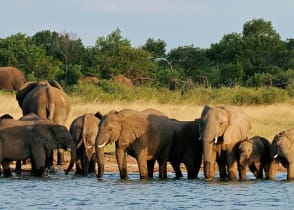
[(59, 191)]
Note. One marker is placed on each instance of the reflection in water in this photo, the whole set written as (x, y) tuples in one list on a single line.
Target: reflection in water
[(75, 192)]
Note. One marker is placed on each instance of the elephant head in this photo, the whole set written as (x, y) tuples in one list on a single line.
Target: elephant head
[(55, 136), (245, 149), (121, 128), (220, 128)]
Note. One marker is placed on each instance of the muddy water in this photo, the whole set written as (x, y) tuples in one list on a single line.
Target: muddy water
[(59, 191)]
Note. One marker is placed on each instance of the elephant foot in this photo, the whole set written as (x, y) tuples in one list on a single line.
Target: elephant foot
[(7, 173)]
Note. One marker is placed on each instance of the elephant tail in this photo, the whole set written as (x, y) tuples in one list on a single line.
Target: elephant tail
[(50, 108)]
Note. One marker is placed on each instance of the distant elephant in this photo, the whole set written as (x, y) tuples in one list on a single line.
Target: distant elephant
[(254, 153), (46, 99), (11, 78), (33, 139), (186, 147), (283, 152), (132, 133), (84, 130), (221, 127)]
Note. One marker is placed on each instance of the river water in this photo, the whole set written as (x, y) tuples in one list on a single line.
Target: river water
[(59, 191)]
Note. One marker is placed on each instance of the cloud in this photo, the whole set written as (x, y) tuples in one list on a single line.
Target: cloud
[(150, 7)]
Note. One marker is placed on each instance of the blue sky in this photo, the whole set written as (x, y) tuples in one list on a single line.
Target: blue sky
[(177, 22)]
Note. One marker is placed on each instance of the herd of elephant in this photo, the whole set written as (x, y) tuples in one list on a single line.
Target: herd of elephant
[(219, 136)]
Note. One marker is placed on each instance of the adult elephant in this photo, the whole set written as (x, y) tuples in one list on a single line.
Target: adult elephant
[(255, 153), (186, 147), (132, 134), (84, 130), (46, 99), (11, 78), (221, 128), (33, 139), (283, 150)]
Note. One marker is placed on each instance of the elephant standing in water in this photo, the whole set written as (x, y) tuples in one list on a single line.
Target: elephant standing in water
[(283, 152), (84, 130), (20, 140), (47, 100), (221, 127), (11, 78), (255, 153)]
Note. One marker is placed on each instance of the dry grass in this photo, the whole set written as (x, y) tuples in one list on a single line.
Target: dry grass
[(266, 120)]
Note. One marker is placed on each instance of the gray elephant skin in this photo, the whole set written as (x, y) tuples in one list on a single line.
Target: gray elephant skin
[(221, 127), (47, 100), (84, 130), (20, 140), (283, 152), (11, 78), (256, 154), (149, 136)]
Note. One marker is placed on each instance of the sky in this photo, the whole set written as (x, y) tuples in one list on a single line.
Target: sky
[(177, 22)]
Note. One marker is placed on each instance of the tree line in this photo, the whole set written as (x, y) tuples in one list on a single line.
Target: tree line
[(256, 57)]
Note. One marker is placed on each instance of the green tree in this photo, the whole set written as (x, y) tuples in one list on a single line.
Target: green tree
[(157, 48)]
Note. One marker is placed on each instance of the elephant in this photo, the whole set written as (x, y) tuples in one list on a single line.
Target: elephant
[(47, 100), (186, 147), (133, 134), (84, 130), (283, 152), (256, 154), (11, 78), (221, 127), (33, 139)]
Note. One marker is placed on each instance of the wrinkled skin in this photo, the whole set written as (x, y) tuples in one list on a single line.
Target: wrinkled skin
[(254, 153), (186, 147), (133, 134), (283, 152), (221, 127), (84, 130), (11, 78), (47, 100), (33, 139)]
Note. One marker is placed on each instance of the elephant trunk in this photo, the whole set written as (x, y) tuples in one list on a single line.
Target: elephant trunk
[(72, 157), (209, 156), (100, 161)]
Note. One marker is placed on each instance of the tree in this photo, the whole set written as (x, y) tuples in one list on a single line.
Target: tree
[(157, 48)]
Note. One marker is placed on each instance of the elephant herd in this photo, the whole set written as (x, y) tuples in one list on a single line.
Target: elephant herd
[(219, 136)]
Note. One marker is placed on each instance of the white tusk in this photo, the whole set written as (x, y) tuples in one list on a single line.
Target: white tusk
[(69, 149), (100, 146), (199, 138), (215, 140), (275, 156)]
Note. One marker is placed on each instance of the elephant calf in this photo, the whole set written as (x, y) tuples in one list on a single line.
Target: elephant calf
[(256, 154), (283, 152)]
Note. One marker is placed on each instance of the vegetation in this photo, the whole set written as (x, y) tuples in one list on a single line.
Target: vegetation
[(252, 67)]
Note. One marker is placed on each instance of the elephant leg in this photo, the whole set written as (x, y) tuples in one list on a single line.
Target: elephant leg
[(177, 169), (290, 172), (242, 172), (142, 163), (222, 166), (232, 166), (60, 156), (92, 165), (6, 168), (121, 158), (18, 167), (39, 159), (272, 169), (259, 172), (162, 169), (150, 166)]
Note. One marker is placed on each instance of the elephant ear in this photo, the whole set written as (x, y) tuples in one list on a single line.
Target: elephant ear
[(238, 128), (24, 90), (133, 127), (205, 110), (42, 134), (55, 84)]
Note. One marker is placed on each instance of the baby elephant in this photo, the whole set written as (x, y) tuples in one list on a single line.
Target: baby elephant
[(256, 154)]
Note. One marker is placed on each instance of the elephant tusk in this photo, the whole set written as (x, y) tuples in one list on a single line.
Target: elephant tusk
[(199, 138), (101, 146), (275, 156), (215, 140), (69, 149)]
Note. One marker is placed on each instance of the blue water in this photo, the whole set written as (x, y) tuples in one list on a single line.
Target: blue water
[(59, 191)]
